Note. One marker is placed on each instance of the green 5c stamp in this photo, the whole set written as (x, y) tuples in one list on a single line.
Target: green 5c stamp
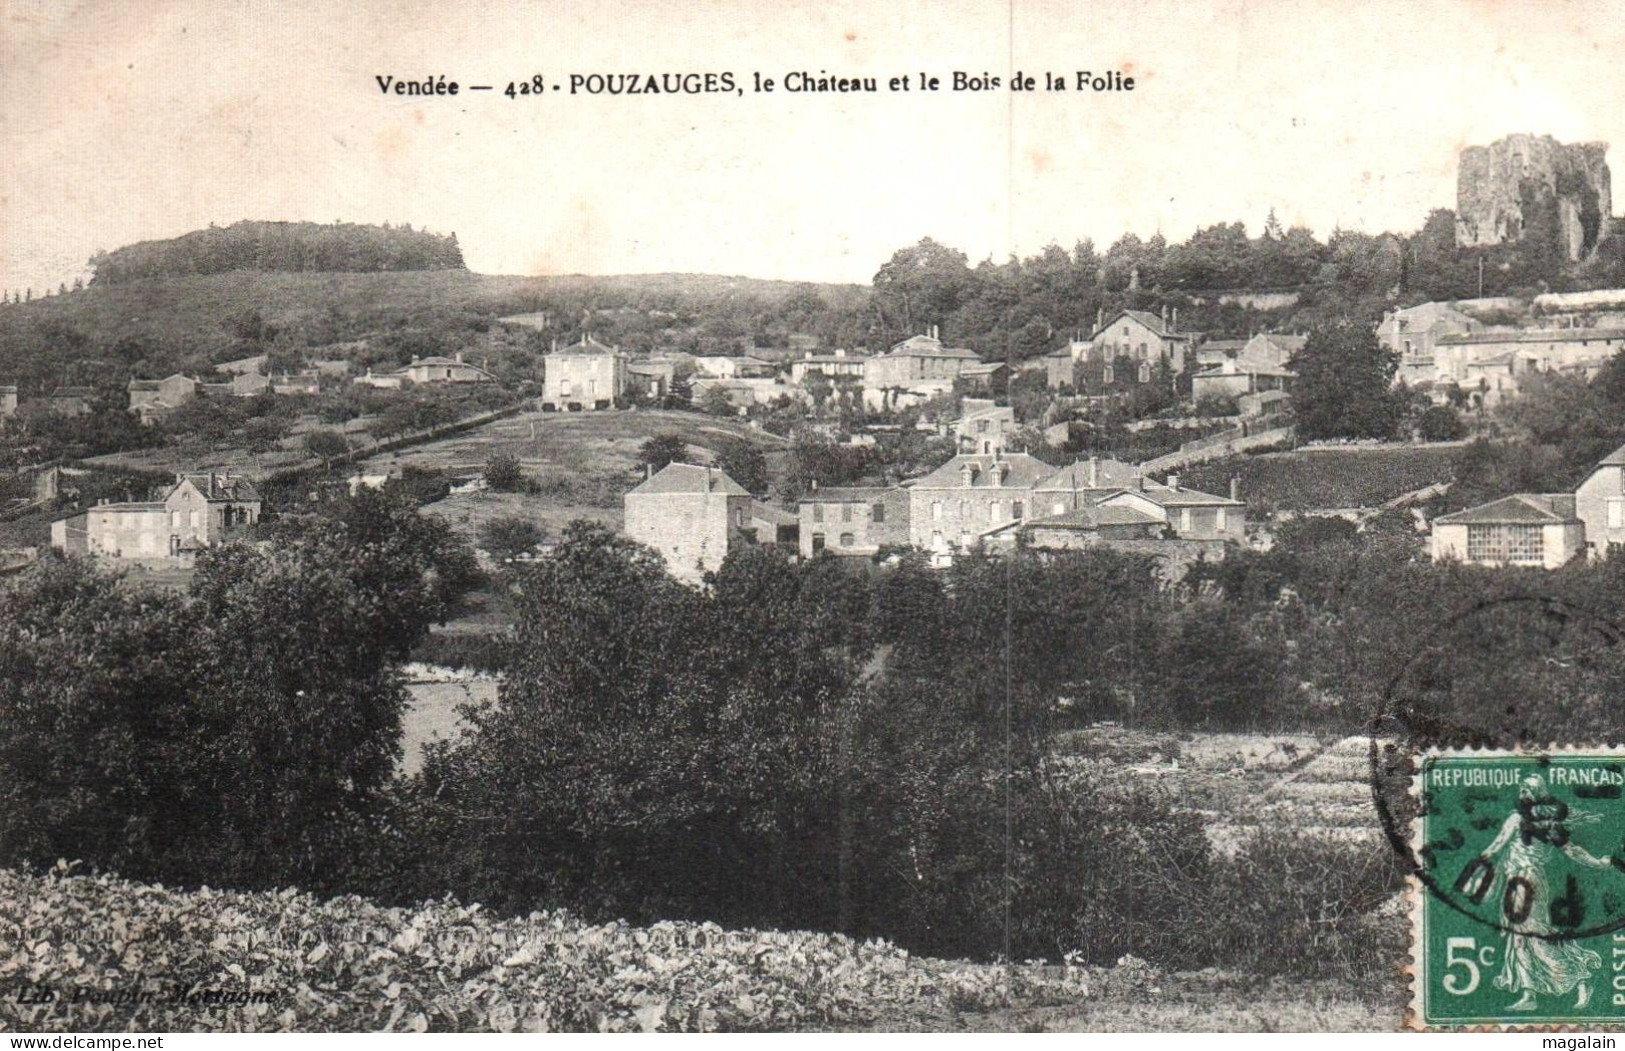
[(1520, 916)]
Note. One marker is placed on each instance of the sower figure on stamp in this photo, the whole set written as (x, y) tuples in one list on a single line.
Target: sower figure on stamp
[(1532, 837)]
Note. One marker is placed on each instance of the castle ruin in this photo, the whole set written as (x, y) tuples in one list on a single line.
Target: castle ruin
[(1508, 190)]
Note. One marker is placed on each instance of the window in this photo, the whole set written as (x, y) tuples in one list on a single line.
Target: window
[(993, 512), (1017, 509), (846, 512), (981, 426), (817, 542), (1616, 514), (1125, 330), (1142, 350), (1219, 519), (1106, 376), (936, 510), (196, 519), (818, 512), (847, 540), (1145, 372), (174, 519), (1058, 508), (1499, 542), (878, 512), (1184, 520)]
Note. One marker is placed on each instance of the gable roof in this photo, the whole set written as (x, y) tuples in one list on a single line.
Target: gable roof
[(1517, 509), (1146, 318), (218, 487), (1024, 471), (1091, 474), (1613, 459), (687, 478), (844, 494), (1532, 335), (143, 385), (777, 515)]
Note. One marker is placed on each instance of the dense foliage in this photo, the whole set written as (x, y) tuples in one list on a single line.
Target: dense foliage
[(281, 246)]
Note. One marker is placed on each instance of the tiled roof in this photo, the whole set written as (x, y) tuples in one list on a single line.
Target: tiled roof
[(1517, 509), (1024, 471), (1108, 474), (925, 346), (143, 385), (216, 486), (687, 478), (776, 515), (1095, 517), (1182, 497)]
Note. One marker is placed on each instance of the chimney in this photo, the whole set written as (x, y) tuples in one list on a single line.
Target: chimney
[(710, 480), (1235, 487), (815, 485), (1175, 322), (1100, 317), (1094, 472), (648, 470), (1165, 315), (459, 357), (1173, 481), (555, 344)]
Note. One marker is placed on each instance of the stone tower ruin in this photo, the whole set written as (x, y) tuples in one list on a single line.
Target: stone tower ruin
[(1508, 189)]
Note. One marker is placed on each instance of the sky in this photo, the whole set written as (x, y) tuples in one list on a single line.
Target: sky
[(122, 122)]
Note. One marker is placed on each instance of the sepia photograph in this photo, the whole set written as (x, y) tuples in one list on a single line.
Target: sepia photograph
[(982, 517)]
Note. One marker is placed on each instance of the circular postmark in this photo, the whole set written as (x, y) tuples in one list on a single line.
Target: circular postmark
[(1512, 826)]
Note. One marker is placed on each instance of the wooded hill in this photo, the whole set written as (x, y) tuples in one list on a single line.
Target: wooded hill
[(297, 247)]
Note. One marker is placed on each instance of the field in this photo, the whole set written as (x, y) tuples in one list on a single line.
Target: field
[(581, 463), (1326, 478)]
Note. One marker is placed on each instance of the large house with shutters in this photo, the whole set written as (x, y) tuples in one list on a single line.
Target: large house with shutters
[(970, 496), (201, 509), (583, 376)]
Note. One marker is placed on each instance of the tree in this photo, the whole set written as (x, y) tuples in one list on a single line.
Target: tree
[(509, 537), (1441, 423), (717, 403), (743, 461), (264, 433), (1344, 387), (656, 452), (502, 472), (326, 445)]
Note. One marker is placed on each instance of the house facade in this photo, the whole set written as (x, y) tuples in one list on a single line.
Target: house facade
[(984, 427), (1489, 366), (853, 520), (70, 401), (1189, 513), (916, 359), (972, 495), (1599, 503), (1143, 338), (693, 516), (1082, 485), (583, 377), (200, 510), (437, 369), (837, 367), (1413, 333), (651, 377), (1525, 529)]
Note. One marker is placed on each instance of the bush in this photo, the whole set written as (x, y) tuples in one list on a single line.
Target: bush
[(1441, 423), (502, 473), (510, 536)]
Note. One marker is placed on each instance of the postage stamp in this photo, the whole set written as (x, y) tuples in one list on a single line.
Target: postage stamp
[(1518, 907)]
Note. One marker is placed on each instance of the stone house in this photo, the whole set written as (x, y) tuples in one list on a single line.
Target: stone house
[(437, 369), (1082, 485), (150, 399), (984, 427), (1525, 529), (1189, 513), (853, 520), (70, 401), (1143, 338), (693, 516), (733, 367), (971, 495), (199, 510), (915, 359), (1413, 333), (1599, 503), (584, 376), (1489, 366), (651, 377)]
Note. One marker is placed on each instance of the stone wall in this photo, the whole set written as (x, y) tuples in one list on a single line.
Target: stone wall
[(1502, 189)]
